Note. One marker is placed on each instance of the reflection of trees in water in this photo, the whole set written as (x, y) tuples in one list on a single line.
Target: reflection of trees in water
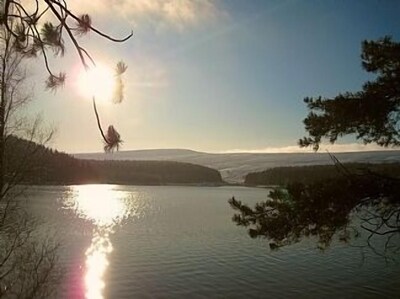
[(345, 208)]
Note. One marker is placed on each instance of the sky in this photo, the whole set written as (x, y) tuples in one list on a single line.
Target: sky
[(215, 76)]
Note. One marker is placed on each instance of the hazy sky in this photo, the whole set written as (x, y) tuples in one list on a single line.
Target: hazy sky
[(214, 75)]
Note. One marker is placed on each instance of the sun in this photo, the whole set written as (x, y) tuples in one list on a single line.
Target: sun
[(97, 81)]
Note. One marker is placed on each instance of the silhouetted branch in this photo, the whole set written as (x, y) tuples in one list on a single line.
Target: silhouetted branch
[(98, 120), (324, 209), (23, 26), (112, 140)]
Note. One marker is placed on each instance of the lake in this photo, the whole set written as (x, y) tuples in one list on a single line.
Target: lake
[(180, 242)]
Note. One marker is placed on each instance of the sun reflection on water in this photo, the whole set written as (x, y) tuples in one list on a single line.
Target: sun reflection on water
[(100, 204), (105, 207), (96, 265)]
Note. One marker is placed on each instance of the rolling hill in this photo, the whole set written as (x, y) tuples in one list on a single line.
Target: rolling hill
[(234, 167), (36, 164)]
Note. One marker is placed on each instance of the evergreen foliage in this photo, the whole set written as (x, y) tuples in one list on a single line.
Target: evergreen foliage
[(372, 114), (49, 166), (321, 202), (32, 36)]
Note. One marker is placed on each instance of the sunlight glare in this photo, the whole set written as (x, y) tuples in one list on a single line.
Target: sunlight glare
[(100, 204), (98, 81), (96, 266), (105, 207)]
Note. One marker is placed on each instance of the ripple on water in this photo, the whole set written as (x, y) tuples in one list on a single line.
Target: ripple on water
[(179, 242)]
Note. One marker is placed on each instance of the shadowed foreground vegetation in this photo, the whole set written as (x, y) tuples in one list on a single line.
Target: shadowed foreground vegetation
[(346, 205), (341, 200), (47, 166)]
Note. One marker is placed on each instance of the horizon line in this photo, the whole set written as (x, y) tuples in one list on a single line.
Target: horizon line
[(292, 149)]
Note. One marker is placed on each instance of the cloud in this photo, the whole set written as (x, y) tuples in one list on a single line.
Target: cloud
[(177, 14), (333, 148), (148, 73)]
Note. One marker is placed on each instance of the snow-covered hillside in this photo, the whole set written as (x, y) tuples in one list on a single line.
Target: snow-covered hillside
[(235, 166)]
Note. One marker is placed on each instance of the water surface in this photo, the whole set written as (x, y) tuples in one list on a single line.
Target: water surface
[(176, 242)]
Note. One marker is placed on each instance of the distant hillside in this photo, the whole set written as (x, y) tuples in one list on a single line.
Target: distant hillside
[(46, 166), (234, 167), (311, 174)]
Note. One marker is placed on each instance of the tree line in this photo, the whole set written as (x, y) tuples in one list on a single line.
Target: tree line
[(282, 176), (48, 166)]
